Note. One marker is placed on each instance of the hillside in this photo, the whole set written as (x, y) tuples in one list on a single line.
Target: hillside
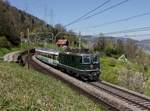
[(14, 24), (14, 21), (23, 90)]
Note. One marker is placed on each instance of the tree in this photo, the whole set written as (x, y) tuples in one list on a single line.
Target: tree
[(120, 46), (131, 49), (7, 27), (101, 44)]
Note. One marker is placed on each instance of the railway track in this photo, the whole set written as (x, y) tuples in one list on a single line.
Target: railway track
[(132, 98), (114, 96)]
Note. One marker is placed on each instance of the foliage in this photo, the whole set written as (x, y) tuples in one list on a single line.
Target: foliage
[(109, 68), (116, 47), (109, 47), (142, 58), (8, 23), (112, 62), (22, 47), (4, 43), (4, 51), (14, 21), (112, 52), (28, 90), (132, 79), (14, 24), (72, 39), (127, 74)]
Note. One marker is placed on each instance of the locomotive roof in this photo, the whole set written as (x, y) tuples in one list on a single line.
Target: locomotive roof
[(47, 51), (55, 52), (78, 54)]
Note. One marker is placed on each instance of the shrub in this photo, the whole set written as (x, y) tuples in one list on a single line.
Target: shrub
[(112, 62), (131, 79), (112, 52), (4, 43), (3, 51)]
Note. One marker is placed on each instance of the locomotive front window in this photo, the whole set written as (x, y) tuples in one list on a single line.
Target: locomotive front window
[(86, 60), (95, 59)]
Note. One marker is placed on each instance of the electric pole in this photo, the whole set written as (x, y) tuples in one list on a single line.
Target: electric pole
[(80, 40), (51, 17), (28, 56)]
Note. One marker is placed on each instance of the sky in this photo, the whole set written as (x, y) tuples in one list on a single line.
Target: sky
[(65, 11)]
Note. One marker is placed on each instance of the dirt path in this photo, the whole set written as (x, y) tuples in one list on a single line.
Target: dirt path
[(11, 57)]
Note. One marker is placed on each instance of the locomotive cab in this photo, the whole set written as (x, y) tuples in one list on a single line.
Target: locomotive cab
[(91, 66), (90, 60)]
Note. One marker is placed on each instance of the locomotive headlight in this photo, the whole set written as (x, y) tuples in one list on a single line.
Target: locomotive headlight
[(94, 73), (91, 66)]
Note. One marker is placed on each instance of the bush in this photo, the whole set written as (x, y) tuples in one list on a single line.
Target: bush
[(4, 43), (3, 51), (112, 62), (112, 52), (131, 79)]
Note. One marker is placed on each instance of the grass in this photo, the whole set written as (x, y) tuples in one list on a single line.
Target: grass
[(23, 90), (4, 51), (109, 67)]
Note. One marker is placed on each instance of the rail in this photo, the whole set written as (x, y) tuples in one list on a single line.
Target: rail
[(140, 101)]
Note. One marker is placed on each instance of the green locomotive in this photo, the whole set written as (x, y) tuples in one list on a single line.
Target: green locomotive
[(85, 66)]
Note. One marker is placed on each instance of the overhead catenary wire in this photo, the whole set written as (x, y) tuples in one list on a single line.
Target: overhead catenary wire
[(119, 20), (106, 9), (129, 30), (85, 17), (81, 17)]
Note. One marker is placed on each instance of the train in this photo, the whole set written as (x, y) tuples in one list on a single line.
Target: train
[(82, 65)]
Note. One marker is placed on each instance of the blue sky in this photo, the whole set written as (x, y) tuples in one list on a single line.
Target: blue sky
[(64, 11)]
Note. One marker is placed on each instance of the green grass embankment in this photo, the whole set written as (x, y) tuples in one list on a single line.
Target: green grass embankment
[(23, 90)]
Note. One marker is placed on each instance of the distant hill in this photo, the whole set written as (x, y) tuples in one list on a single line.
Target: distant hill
[(94, 39), (145, 44), (147, 41)]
